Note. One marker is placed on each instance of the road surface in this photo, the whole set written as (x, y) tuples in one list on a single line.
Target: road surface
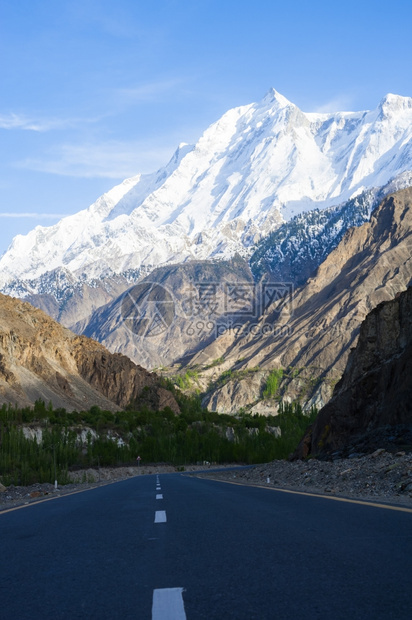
[(176, 547)]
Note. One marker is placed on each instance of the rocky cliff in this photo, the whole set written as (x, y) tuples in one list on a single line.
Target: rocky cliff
[(309, 332), (40, 359), (371, 406)]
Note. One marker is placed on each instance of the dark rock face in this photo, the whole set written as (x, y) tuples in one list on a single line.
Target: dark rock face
[(371, 406), (112, 374), (118, 378)]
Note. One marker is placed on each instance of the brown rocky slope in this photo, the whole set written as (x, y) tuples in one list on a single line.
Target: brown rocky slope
[(315, 330), (40, 359), (371, 406)]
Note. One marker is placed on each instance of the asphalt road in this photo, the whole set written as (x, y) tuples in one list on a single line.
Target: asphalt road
[(195, 549)]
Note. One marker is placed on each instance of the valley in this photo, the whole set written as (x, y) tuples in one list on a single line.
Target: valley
[(205, 310), (202, 314)]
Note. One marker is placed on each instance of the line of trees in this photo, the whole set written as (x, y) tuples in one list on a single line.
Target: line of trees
[(71, 440)]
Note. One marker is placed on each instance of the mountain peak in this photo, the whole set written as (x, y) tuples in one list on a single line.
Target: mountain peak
[(394, 103), (274, 97), (259, 165)]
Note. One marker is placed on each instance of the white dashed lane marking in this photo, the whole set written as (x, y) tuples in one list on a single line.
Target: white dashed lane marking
[(160, 516), (168, 604)]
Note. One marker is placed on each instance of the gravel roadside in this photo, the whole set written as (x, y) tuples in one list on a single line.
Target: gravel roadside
[(379, 477)]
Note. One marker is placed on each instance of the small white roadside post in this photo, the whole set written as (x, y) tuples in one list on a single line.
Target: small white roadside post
[(55, 469)]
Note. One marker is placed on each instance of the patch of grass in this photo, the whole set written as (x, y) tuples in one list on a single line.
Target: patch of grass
[(232, 375)]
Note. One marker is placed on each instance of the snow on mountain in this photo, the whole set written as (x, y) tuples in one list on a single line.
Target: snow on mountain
[(259, 165), (295, 250)]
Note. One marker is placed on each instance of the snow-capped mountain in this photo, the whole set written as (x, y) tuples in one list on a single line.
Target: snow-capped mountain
[(258, 166), (296, 249)]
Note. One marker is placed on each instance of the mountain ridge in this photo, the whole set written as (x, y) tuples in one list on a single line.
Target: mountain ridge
[(251, 170)]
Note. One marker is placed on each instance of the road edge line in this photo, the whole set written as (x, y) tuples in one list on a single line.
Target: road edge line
[(318, 495)]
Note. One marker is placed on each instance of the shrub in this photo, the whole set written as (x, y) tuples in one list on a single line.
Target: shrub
[(272, 383)]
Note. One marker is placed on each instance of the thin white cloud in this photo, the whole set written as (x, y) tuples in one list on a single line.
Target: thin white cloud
[(342, 103), (38, 216), (22, 122), (149, 92), (18, 121), (112, 159)]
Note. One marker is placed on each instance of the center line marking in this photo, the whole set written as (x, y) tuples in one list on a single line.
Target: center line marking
[(160, 516), (159, 496), (168, 604)]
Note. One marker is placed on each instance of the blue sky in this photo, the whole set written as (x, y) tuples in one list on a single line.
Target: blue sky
[(94, 91)]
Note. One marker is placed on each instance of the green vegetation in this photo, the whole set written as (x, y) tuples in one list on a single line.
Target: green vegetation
[(306, 380), (233, 375), (272, 383), (185, 381), (216, 362), (293, 422), (111, 439), (303, 380)]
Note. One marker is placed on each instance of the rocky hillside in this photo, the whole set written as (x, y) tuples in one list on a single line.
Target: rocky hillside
[(68, 300), (371, 405), (40, 359), (173, 312), (308, 334)]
